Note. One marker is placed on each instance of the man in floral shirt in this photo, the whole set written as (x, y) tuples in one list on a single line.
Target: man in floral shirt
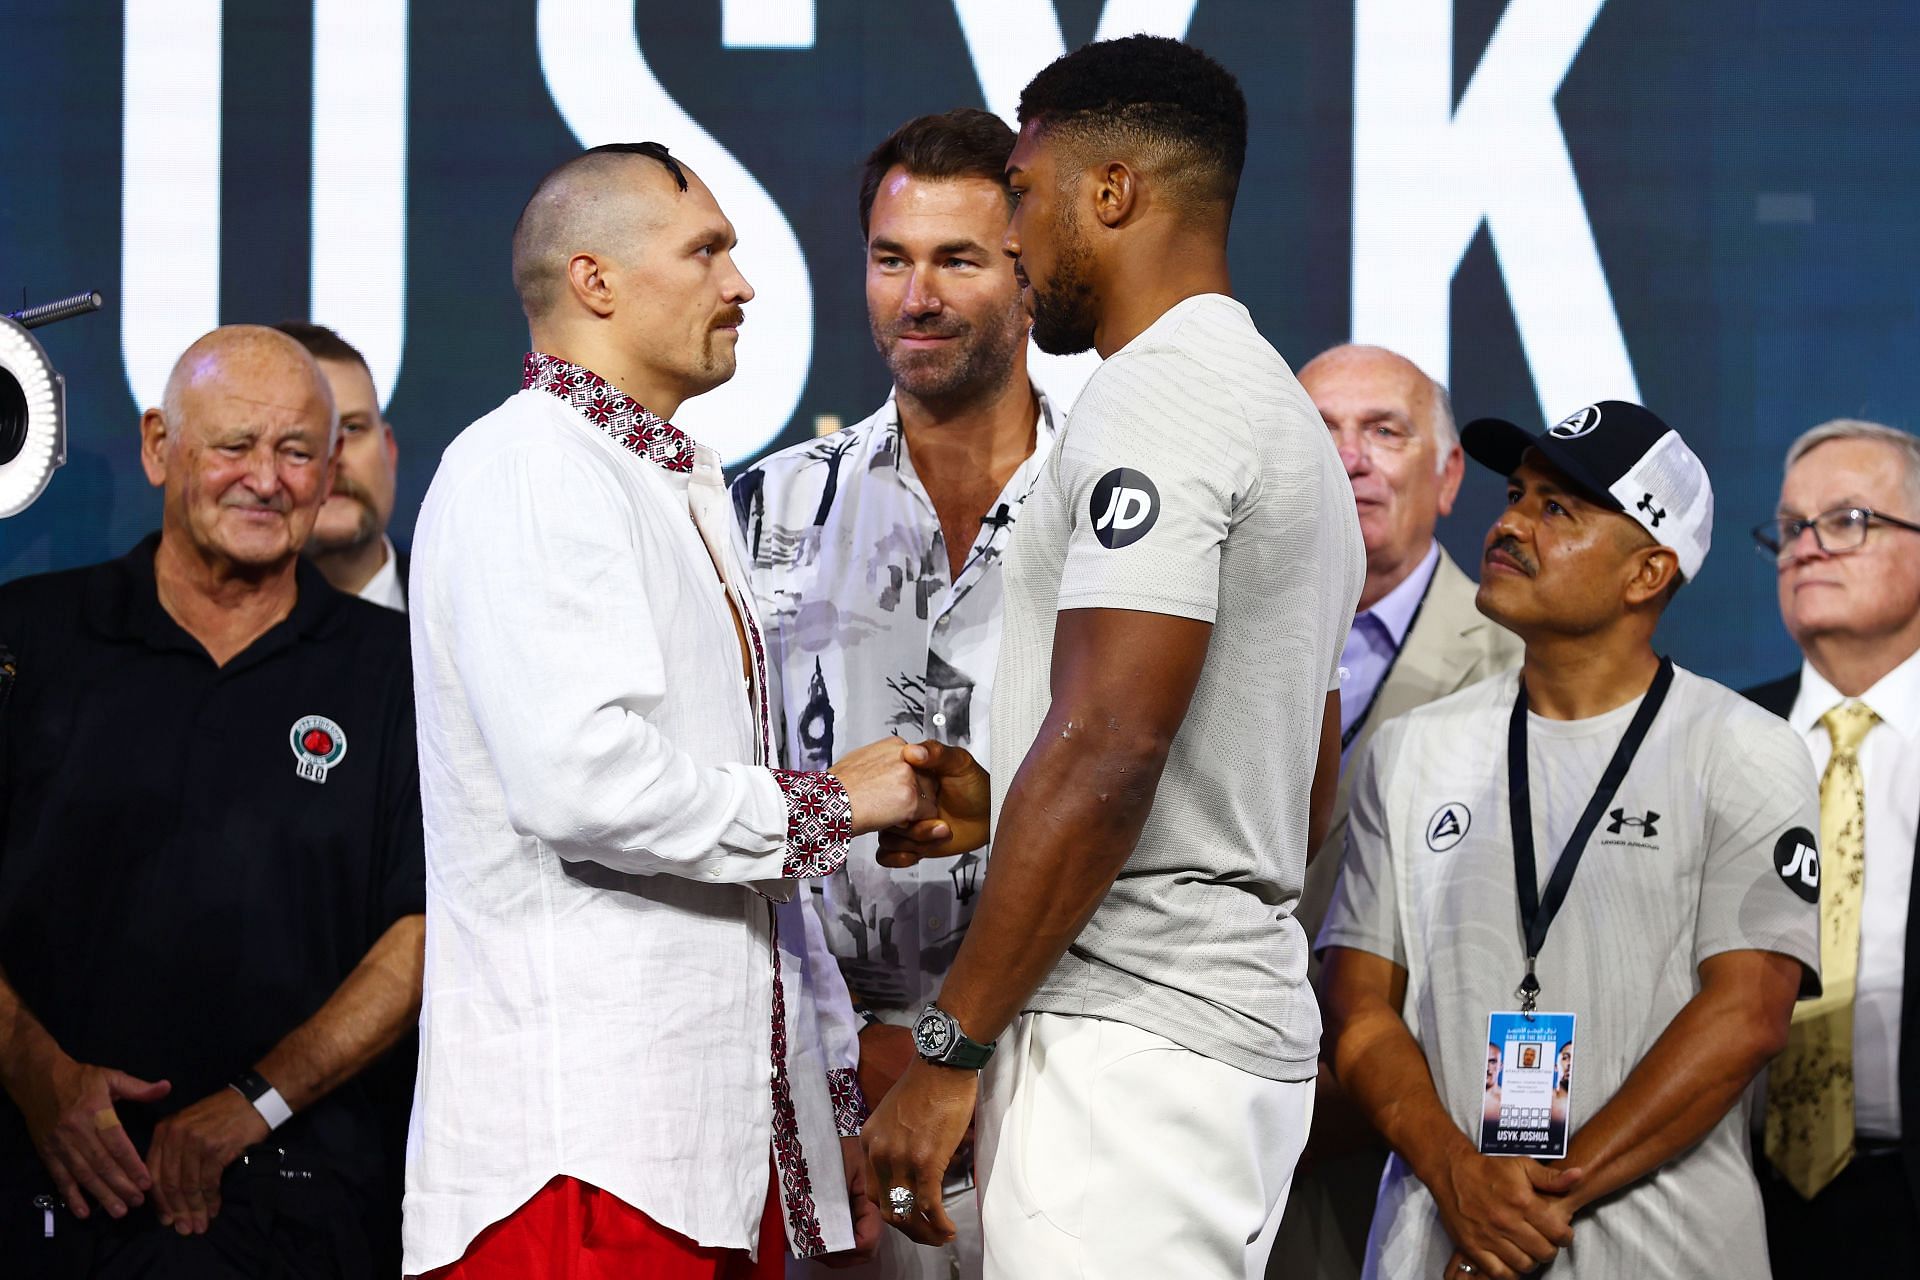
[(876, 557)]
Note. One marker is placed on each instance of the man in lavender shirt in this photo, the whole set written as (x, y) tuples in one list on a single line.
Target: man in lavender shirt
[(1417, 637)]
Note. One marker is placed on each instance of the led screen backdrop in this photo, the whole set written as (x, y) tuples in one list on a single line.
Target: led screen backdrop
[(1709, 207)]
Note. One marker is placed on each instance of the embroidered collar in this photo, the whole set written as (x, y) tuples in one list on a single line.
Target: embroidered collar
[(610, 409)]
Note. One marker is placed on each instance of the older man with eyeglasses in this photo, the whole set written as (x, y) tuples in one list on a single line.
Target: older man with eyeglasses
[(1841, 1141)]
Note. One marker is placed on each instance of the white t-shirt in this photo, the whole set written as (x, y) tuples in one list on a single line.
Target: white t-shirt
[(1196, 479), (1689, 861)]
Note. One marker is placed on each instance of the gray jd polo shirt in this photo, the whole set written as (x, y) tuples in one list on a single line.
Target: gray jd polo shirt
[(1196, 479)]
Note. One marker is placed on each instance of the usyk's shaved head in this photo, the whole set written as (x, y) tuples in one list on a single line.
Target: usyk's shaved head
[(599, 199)]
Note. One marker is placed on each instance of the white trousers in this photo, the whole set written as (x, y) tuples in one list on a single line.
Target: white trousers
[(1106, 1151)]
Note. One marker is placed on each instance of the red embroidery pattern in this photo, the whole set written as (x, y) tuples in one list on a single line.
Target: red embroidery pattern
[(796, 1188), (819, 823), (850, 1109), (610, 409), (760, 686)]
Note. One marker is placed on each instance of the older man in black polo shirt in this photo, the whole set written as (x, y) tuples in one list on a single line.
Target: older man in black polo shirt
[(210, 865)]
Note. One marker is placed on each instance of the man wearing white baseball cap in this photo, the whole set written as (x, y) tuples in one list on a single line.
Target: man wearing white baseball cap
[(1599, 849)]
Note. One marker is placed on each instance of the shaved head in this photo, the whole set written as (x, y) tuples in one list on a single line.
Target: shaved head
[(242, 447), (599, 202), (624, 263), (247, 355)]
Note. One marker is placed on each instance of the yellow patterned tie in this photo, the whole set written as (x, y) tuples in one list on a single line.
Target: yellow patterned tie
[(1810, 1091)]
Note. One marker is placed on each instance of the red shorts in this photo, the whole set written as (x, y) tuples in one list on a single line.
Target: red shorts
[(571, 1230)]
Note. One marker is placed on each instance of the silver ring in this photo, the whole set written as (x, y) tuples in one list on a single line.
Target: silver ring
[(1466, 1269), (899, 1200)]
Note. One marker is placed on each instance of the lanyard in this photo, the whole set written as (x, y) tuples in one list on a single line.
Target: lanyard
[(1360, 721), (1537, 913)]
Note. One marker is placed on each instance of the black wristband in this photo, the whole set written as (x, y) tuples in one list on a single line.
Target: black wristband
[(251, 1085)]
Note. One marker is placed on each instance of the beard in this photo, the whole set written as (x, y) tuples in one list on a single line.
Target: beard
[(973, 366), (718, 360), (1063, 313)]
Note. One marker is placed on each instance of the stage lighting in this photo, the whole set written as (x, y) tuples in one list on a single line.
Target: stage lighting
[(33, 404)]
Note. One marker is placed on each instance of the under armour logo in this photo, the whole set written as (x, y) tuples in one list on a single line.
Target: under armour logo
[(1654, 514), (1621, 821)]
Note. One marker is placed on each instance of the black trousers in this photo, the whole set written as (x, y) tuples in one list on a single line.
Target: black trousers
[(1861, 1224), (276, 1222)]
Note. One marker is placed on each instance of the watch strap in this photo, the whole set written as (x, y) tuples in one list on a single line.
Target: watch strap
[(969, 1055), (962, 1052), (263, 1098)]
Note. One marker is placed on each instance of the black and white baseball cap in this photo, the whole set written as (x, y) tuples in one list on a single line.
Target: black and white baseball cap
[(1626, 458)]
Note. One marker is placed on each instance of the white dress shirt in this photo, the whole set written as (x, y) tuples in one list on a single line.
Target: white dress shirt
[(869, 633), (605, 997), (1890, 768), (384, 587)]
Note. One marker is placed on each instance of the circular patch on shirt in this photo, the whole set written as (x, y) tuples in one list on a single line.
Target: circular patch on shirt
[(1575, 425), (318, 745), (1797, 861), (1448, 826), (1123, 507)]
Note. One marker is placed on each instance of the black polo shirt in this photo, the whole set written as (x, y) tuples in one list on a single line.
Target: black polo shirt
[(193, 857)]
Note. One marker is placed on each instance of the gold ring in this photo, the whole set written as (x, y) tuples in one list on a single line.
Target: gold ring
[(106, 1118)]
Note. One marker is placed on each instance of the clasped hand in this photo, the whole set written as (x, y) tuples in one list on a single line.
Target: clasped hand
[(74, 1124), (927, 800), (1509, 1216)]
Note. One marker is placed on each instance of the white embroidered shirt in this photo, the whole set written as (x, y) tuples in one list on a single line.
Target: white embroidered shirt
[(608, 995)]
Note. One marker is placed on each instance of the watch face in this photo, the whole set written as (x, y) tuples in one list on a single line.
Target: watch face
[(933, 1034)]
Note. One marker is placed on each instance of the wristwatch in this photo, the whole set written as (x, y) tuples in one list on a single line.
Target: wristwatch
[(938, 1037)]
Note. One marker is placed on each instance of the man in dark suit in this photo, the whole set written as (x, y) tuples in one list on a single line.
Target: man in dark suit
[(350, 544), (1417, 637), (1842, 1144)]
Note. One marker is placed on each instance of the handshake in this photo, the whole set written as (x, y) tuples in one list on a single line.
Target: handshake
[(927, 800)]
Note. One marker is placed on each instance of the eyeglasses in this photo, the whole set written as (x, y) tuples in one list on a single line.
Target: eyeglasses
[(1839, 530)]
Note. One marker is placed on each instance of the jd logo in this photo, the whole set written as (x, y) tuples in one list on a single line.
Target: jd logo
[(1576, 425), (1124, 506), (1448, 826), (1622, 821), (1798, 863)]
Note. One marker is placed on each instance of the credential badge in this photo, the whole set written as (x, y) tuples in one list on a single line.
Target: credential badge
[(318, 745)]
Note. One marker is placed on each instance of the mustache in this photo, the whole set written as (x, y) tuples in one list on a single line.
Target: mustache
[(345, 488), (1509, 546), (735, 316), (942, 328)]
